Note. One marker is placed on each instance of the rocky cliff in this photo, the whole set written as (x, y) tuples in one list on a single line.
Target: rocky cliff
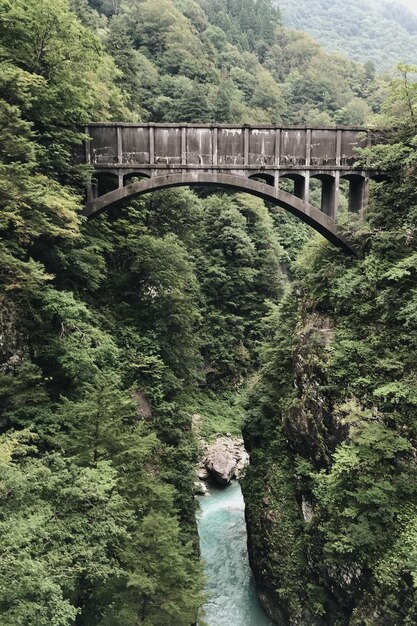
[(292, 432)]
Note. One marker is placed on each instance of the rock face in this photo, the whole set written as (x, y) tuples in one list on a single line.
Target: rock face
[(280, 511), (223, 460)]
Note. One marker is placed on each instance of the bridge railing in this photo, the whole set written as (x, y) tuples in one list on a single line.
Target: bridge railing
[(220, 147)]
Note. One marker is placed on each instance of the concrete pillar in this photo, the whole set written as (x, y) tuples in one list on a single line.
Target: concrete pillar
[(301, 187), (151, 145), (365, 197), (119, 145), (183, 145), (92, 190), (214, 147), (246, 146), (276, 179), (337, 191), (356, 194), (277, 147), (120, 178), (307, 187), (338, 147), (308, 147), (330, 195)]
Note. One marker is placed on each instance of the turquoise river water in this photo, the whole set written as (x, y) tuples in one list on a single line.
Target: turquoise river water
[(230, 584)]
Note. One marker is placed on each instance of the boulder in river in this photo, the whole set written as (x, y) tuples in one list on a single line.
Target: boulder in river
[(221, 465), (223, 460)]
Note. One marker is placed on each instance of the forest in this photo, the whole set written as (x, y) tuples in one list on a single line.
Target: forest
[(380, 32), (114, 331)]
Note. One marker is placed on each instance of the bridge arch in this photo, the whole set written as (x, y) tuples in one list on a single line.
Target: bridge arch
[(263, 177), (104, 182), (130, 175), (300, 181), (322, 223)]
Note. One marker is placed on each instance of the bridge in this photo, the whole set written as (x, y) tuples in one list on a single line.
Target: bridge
[(132, 159)]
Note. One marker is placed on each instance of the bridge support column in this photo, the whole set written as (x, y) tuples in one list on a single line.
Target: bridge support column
[(307, 187), (330, 195), (358, 194), (301, 187), (92, 190), (276, 179)]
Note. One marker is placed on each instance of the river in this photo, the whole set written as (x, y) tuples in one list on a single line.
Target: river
[(230, 584)]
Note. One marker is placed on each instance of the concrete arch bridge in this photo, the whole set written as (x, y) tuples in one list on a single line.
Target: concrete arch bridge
[(245, 158)]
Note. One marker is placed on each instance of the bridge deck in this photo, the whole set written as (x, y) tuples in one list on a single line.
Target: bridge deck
[(231, 147)]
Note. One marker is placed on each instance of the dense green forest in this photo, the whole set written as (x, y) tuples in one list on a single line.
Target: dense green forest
[(380, 32), (113, 331)]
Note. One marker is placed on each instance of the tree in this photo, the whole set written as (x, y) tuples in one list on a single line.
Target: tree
[(59, 524)]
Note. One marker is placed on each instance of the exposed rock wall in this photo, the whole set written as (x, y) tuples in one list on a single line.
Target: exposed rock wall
[(292, 430)]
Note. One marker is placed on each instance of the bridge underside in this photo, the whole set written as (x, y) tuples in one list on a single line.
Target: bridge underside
[(319, 220)]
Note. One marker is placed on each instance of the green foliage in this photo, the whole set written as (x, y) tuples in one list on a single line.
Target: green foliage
[(362, 494), (280, 562), (162, 590), (101, 454), (59, 524), (113, 330), (60, 76), (380, 34), (239, 273), (217, 414)]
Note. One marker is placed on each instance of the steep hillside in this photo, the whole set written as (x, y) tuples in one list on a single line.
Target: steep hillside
[(379, 31)]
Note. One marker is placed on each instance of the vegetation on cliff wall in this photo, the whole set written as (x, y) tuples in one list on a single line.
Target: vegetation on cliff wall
[(331, 424)]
